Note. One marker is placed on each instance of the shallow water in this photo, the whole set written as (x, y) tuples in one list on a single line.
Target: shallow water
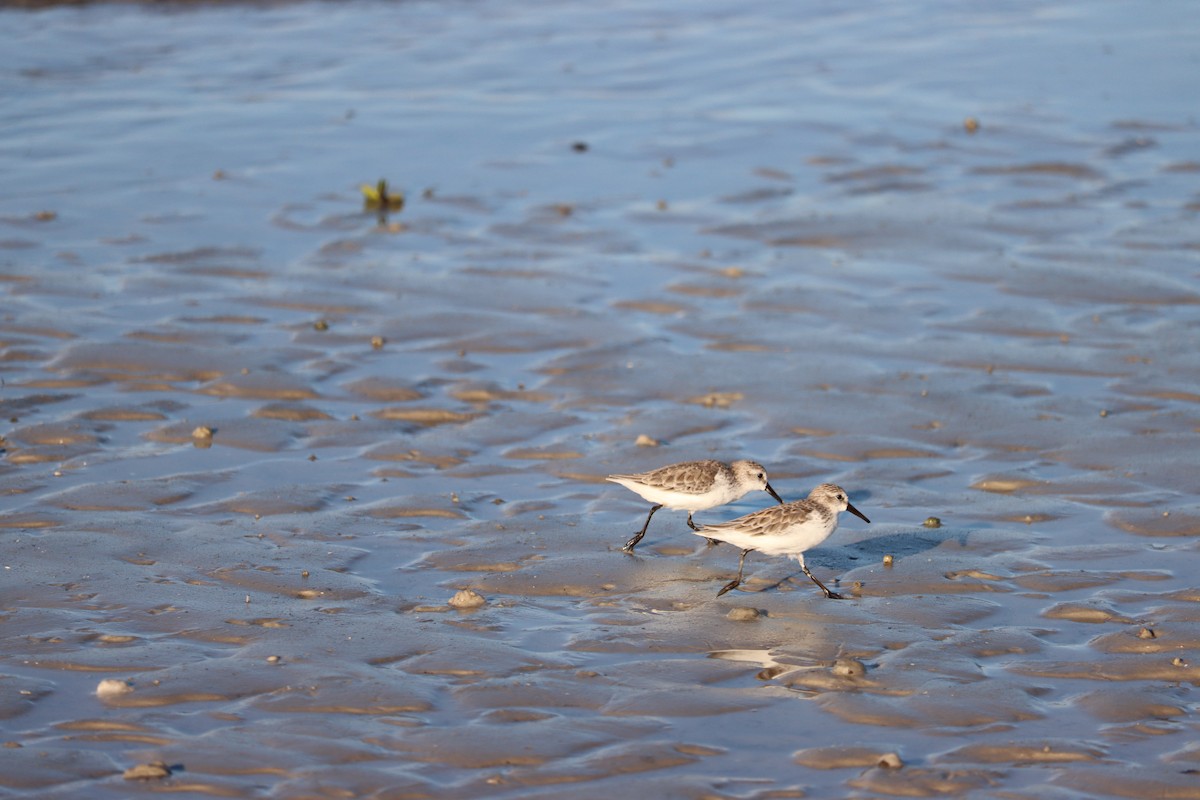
[(740, 232)]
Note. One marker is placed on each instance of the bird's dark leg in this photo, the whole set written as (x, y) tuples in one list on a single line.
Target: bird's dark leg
[(637, 537), (733, 584), (829, 594), (692, 525)]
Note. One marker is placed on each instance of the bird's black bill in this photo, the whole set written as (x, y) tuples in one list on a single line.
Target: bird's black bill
[(857, 513), (771, 492)]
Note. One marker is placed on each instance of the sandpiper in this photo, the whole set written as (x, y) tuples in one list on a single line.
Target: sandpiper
[(694, 486), (786, 530)]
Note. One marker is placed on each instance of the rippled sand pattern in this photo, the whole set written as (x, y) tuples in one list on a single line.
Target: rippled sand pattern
[(300, 501)]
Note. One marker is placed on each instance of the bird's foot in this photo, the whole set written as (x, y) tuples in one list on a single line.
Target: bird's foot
[(728, 586)]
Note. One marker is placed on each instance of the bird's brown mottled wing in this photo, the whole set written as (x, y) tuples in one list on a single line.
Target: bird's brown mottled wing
[(771, 520), (691, 477)]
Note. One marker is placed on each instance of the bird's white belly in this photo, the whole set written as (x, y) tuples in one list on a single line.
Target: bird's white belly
[(682, 501), (789, 543)]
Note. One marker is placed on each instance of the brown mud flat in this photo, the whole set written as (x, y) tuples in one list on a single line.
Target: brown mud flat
[(301, 501)]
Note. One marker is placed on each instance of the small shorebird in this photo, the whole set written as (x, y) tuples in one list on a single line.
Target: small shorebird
[(694, 486), (786, 530)]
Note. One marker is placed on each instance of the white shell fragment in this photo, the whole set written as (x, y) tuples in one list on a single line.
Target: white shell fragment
[(743, 614), (849, 668), (110, 687), (467, 598), (155, 770)]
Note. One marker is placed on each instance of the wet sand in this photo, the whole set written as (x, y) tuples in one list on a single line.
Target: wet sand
[(301, 501)]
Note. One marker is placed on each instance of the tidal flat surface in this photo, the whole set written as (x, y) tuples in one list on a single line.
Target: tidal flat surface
[(257, 437)]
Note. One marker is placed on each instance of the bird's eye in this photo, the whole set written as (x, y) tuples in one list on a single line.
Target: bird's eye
[(760, 475)]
